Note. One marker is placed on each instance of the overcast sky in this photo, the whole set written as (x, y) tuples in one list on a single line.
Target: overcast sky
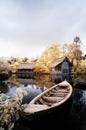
[(28, 27)]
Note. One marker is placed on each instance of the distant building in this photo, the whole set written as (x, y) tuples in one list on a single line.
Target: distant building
[(61, 66), (26, 70)]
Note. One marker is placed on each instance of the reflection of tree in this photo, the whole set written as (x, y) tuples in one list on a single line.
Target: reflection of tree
[(77, 103), (40, 81), (13, 80), (3, 87), (79, 80), (43, 81)]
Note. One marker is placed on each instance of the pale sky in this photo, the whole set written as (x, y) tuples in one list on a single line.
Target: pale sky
[(28, 27)]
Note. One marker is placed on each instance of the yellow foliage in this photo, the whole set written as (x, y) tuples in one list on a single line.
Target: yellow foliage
[(81, 66), (47, 57), (69, 50), (18, 59)]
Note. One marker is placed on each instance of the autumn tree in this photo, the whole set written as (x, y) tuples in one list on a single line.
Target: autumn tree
[(47, 57), (82, 67), (18, 59), (25, 59), (73, 51), (4, 65), (68, 50)]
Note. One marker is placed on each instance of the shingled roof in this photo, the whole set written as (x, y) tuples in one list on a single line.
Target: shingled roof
[(26, 66), (58, 61)]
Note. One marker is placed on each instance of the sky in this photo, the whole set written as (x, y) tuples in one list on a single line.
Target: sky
[(28, 27)]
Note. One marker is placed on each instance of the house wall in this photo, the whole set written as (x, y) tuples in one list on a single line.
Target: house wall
[(25, 73), (65, 67)]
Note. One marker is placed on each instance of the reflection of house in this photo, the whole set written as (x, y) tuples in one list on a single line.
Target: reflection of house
[(26, 81), (26, 70), (61, 66)]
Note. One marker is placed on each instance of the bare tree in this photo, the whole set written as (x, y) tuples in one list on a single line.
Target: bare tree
[(77, 41), (77, 52)]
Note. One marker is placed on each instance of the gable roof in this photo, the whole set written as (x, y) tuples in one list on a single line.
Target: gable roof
[(26, 66), (58, 61)]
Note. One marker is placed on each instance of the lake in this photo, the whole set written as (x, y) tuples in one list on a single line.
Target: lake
[(74, 119)]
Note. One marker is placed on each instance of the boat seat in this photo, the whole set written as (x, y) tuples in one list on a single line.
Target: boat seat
[(52, 99), (42, 101), (58, 94)]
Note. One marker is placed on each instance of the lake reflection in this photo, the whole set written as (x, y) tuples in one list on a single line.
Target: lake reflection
[(75, 119)]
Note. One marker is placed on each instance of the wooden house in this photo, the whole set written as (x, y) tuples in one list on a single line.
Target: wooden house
[(61, 66), (26, 70)]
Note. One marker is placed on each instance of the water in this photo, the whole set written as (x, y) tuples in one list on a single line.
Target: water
[(75, 119)]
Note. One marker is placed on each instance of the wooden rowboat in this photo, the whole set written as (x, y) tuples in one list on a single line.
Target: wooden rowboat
[(49, 100)]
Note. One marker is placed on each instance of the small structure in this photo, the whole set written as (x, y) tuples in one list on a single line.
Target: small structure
[(26, 70), (61, 66)]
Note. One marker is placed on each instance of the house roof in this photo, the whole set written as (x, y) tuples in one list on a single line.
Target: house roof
[(26, 66), (58, 61)]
